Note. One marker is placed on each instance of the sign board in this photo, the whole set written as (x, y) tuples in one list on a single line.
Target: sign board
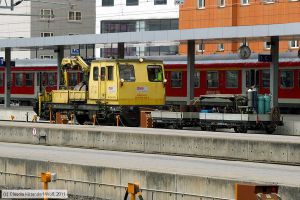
[(75, 52), (179, 2), (264, 58)]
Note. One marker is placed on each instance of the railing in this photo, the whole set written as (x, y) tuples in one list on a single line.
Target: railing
[(153, 191)]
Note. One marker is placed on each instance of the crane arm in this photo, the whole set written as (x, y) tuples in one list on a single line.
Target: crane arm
[(73, 63), (76, 62)]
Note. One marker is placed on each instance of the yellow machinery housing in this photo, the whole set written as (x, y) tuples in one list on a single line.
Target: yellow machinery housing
[(113, 87)]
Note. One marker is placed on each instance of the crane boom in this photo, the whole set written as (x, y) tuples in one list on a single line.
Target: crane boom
[(74, 63)]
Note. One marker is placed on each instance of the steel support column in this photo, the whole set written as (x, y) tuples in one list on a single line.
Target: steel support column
[(7, 85), (60, 56), (274, 71), (121, 50), (190, 70)]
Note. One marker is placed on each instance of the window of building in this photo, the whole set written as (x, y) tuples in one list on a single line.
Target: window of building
[(220, 47), (287, 79), (96, 73), (46, 34), (74, 16), (19, 79), (47, 14), (110, 73), (29, 79), (197, 79), (155, 73), (269, 1), (2, 79), (201, 47), (73, 78), (107, 2), (212, 79), (245, 2), (293, 44), (132, 2), (267, 45), (232, 79), (127, 72), (160, 2), (176, 79), (221, 3), (201, 4), (46, 57)]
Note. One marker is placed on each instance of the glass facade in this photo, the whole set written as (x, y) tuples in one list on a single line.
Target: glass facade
[(136, 26)]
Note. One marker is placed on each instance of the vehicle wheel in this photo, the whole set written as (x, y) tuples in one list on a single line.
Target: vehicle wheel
[(244, 129), (81, 119), (236, 129), (203, 128), (213, 128), (270, 129)]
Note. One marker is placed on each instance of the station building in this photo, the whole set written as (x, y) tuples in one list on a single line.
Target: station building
[(114, 16), (221, 13), (16, 24), (64, 17)]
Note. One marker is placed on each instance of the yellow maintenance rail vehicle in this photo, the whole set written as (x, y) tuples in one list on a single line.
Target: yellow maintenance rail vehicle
[(110, 87)]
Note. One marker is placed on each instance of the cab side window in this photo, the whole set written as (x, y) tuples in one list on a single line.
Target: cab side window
[(103, 74), (127, 72), (155, 73), (96, 73), (110, 75)]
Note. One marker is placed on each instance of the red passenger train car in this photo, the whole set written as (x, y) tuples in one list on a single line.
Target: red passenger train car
[(234, 76), (215, 74)]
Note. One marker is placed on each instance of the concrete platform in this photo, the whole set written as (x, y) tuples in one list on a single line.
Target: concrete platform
[(245, 147), (82, 171), (20, 113)]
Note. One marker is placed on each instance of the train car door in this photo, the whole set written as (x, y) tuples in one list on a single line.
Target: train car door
[(252, 78), (94, 84), (103, 83)]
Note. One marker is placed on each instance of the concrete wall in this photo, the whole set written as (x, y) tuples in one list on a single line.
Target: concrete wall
[(79, 179), (257, 148)]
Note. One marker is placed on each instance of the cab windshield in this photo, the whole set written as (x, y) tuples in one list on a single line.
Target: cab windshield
[(127, 72)]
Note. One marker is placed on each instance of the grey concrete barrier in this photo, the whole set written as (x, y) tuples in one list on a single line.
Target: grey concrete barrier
[(110, 183), (246, 147)]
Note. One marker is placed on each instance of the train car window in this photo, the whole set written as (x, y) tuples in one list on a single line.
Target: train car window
[(299, 79), (1, 79), (51, 79), (176, 79), (96, 73), (127, 72), (73, 79), (266, 78), (212, 79), (287, 79), (232, 79), (250, 78), (19, 79), (110, 73), (29, 79), (155, 73), (44, 79), (103, 74), (197, 79)]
